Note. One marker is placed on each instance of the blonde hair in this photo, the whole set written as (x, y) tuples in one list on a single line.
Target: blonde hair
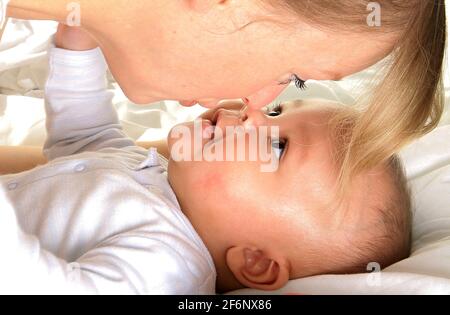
[(387, 235), (408, 102)]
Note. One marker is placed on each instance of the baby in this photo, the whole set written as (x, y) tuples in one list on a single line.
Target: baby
[(265, 228), (106, 216)]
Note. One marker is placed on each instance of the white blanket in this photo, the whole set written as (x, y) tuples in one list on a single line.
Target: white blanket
[(23, 72)]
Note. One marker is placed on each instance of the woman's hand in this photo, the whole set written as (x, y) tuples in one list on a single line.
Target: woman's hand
[(74, 38)]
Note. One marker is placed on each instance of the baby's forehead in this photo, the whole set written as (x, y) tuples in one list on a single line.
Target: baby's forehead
[(322, 127), (333, 124), (332, 120), (370, 191)]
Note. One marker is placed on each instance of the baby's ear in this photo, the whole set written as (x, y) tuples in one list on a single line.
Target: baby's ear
[(253, 269)]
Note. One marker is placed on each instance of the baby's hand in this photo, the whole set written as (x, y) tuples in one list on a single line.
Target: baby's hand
[(74, 38)]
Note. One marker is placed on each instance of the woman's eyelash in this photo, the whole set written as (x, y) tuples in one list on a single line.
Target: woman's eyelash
[(299, 83)]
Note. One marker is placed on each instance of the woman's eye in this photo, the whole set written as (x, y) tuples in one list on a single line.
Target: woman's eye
[(274, 111), (299, 83), (279, 146)]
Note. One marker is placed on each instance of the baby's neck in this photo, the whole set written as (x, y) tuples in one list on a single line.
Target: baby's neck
[(226, 281)]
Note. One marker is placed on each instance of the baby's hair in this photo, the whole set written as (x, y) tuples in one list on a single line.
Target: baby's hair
[(388, 240), (386, 236), (408, 102), (393, 244)]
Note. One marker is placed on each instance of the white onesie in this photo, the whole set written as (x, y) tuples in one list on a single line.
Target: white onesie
[(100, 217)]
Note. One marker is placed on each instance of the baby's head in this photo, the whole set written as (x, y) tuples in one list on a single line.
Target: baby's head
[(265, 228)]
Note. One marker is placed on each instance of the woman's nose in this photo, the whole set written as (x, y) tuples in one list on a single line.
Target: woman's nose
[(265, 96)]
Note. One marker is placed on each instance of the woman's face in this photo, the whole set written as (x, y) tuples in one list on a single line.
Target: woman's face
[(204, 51)]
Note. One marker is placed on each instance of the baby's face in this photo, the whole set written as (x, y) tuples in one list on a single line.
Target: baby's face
[(232, 202)]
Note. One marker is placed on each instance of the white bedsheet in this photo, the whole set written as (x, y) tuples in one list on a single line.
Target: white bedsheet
[(23, 71)]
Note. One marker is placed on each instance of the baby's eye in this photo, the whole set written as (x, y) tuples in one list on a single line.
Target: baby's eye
[(275, 110), (279, 146)]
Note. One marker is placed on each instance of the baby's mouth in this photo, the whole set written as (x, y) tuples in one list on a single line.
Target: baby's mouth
[(215, 118), (214, 121), (209, 131)]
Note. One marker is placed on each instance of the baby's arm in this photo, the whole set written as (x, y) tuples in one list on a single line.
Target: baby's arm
[(80, 114)]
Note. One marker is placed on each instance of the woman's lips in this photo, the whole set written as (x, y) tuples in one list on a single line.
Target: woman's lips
[(188, 103), (208, 103)]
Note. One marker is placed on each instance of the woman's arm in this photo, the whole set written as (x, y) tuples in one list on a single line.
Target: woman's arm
[(15, 160)]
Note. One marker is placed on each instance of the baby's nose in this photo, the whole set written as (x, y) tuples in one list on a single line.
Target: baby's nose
[(253, 117)]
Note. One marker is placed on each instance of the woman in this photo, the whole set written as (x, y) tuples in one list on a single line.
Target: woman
[(207, 50)]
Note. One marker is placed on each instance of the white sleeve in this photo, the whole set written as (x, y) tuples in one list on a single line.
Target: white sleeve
[(80, 113), (3, 7), (132, 262)]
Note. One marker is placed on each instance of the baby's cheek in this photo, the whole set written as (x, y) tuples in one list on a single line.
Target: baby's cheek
[(223, 186), (211, 181)]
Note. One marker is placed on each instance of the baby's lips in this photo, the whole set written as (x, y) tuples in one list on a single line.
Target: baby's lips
[(208, 129)]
